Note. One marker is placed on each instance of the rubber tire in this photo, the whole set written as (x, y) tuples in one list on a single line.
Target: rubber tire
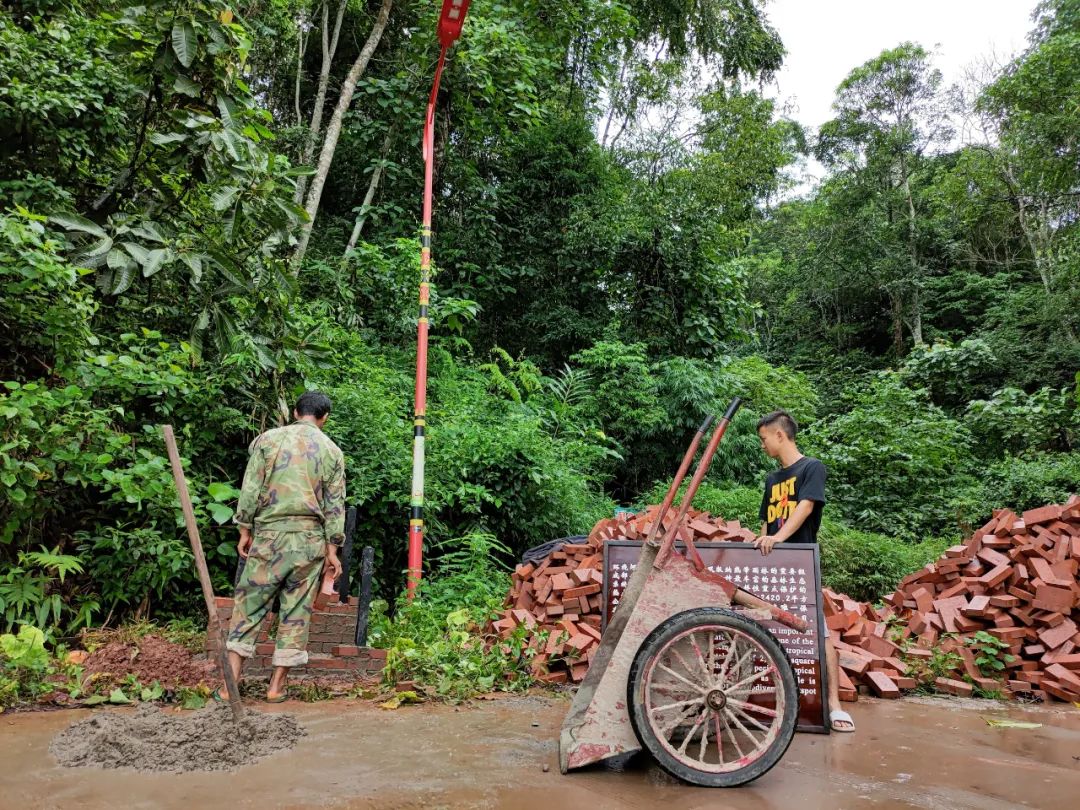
[(655, 641)]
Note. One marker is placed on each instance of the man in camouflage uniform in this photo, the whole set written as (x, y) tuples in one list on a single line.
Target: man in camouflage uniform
[(292, 517)]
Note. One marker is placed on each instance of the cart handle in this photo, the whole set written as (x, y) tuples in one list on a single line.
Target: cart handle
[(699, 474)]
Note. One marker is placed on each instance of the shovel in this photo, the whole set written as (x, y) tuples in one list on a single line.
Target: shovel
[(215, 629)]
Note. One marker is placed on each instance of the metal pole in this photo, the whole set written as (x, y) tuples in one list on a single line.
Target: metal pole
[(416, 516), (344, 582), (364, 608), (203, 572), (451, 18)]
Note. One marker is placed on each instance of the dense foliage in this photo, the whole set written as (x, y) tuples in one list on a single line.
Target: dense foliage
[(206, 209)]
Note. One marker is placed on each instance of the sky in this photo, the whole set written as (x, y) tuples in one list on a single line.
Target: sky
[(826, 39)]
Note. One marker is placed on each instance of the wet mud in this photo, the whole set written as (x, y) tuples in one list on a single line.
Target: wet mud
[(150, 739), (928, 754)]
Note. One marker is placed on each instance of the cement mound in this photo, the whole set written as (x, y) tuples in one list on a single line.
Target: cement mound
[(152, 740)]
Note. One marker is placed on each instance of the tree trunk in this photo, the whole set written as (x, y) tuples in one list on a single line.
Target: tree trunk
[(333, 129), (365, 206), (897, 325), (1031, 236), (301, 49), (913, 254), (329, 48), (916, 317)]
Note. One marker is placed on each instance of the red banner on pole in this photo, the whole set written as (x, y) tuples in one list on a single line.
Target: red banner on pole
[(450, 21)]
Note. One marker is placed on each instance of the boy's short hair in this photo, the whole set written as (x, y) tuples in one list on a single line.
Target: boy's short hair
[(781, 418), (313, 403)]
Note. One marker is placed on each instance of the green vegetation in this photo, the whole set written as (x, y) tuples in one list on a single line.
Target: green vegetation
[(438, 640), (189, 233)]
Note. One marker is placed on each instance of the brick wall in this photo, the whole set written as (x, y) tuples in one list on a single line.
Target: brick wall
[(331, 651)]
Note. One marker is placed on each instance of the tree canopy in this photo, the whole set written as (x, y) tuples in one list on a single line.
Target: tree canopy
[(207, 209)]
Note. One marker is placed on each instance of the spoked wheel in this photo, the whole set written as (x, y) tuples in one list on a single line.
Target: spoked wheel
[(713, 697)]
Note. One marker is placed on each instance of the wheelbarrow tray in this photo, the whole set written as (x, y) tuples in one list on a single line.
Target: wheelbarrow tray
[(598, 725)]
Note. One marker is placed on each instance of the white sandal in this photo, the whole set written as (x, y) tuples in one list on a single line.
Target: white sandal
[(840, 716)]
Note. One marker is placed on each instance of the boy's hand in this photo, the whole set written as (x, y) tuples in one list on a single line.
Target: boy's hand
[(243, 547), (765, 543)]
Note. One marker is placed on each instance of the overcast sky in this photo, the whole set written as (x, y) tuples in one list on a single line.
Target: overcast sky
[(825, 39)]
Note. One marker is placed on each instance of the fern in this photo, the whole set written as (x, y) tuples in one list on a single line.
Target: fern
[(60, 564)]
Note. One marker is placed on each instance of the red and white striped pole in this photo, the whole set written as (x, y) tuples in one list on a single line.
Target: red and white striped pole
[(450, 21)]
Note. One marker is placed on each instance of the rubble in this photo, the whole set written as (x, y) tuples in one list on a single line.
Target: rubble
[(1015, 580), (558, 599)]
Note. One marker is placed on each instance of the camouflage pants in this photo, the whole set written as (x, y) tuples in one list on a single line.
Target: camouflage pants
[(289, 563)]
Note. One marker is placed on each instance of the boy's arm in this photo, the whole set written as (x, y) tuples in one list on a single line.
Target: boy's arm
[(803, 510)]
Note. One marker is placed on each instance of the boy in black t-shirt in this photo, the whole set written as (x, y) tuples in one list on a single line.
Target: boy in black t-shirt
[(791, 512)]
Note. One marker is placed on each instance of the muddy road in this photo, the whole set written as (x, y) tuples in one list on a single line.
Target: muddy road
[(907, 754)]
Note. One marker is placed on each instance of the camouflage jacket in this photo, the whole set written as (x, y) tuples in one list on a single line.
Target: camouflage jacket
[(295, 481)]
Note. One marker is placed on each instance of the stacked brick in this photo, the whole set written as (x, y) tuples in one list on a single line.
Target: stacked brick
[(558, 599), (331, 652), (1016, 579)]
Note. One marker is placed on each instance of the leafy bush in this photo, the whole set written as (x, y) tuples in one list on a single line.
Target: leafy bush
[(1012, 421), (497, 461), (866, 565), (1021, 482), (895, 460), (26, 668), (950, 374), (438, 639), (651, 409), (730, 501)]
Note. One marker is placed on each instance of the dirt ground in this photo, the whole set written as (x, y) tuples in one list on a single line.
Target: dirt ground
[(914, 753)]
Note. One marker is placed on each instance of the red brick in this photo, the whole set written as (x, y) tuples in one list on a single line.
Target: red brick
[(883, 685), (345, 650), (581, 641), (1068, 679), (1055, 599), (1054, 637), (995, 576), (848, 692), (584, 590), (561, 582), (1044, 514), (987, 684), (954, 687), (852, 662), (1059, 691)]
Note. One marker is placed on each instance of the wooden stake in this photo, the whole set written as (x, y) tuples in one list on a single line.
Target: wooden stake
[(204, 573)]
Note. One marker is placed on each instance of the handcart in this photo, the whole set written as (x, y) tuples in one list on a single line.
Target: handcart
[(686, 669)]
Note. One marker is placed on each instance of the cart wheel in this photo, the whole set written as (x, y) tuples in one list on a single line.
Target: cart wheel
[(713, 697)]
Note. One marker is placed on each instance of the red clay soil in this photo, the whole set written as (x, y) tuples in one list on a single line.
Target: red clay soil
[(150, 659)]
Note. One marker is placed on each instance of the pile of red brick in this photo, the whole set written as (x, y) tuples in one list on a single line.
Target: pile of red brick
[(331, 652), (561, 595), (1015, 579)]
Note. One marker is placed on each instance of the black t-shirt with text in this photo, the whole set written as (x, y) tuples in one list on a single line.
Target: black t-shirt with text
[(802, 481)]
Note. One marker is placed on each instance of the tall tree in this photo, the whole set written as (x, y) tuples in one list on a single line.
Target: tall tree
[(333, 128), (890, 113)]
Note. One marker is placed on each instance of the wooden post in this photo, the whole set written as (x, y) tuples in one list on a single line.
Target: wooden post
[(203, 571)]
